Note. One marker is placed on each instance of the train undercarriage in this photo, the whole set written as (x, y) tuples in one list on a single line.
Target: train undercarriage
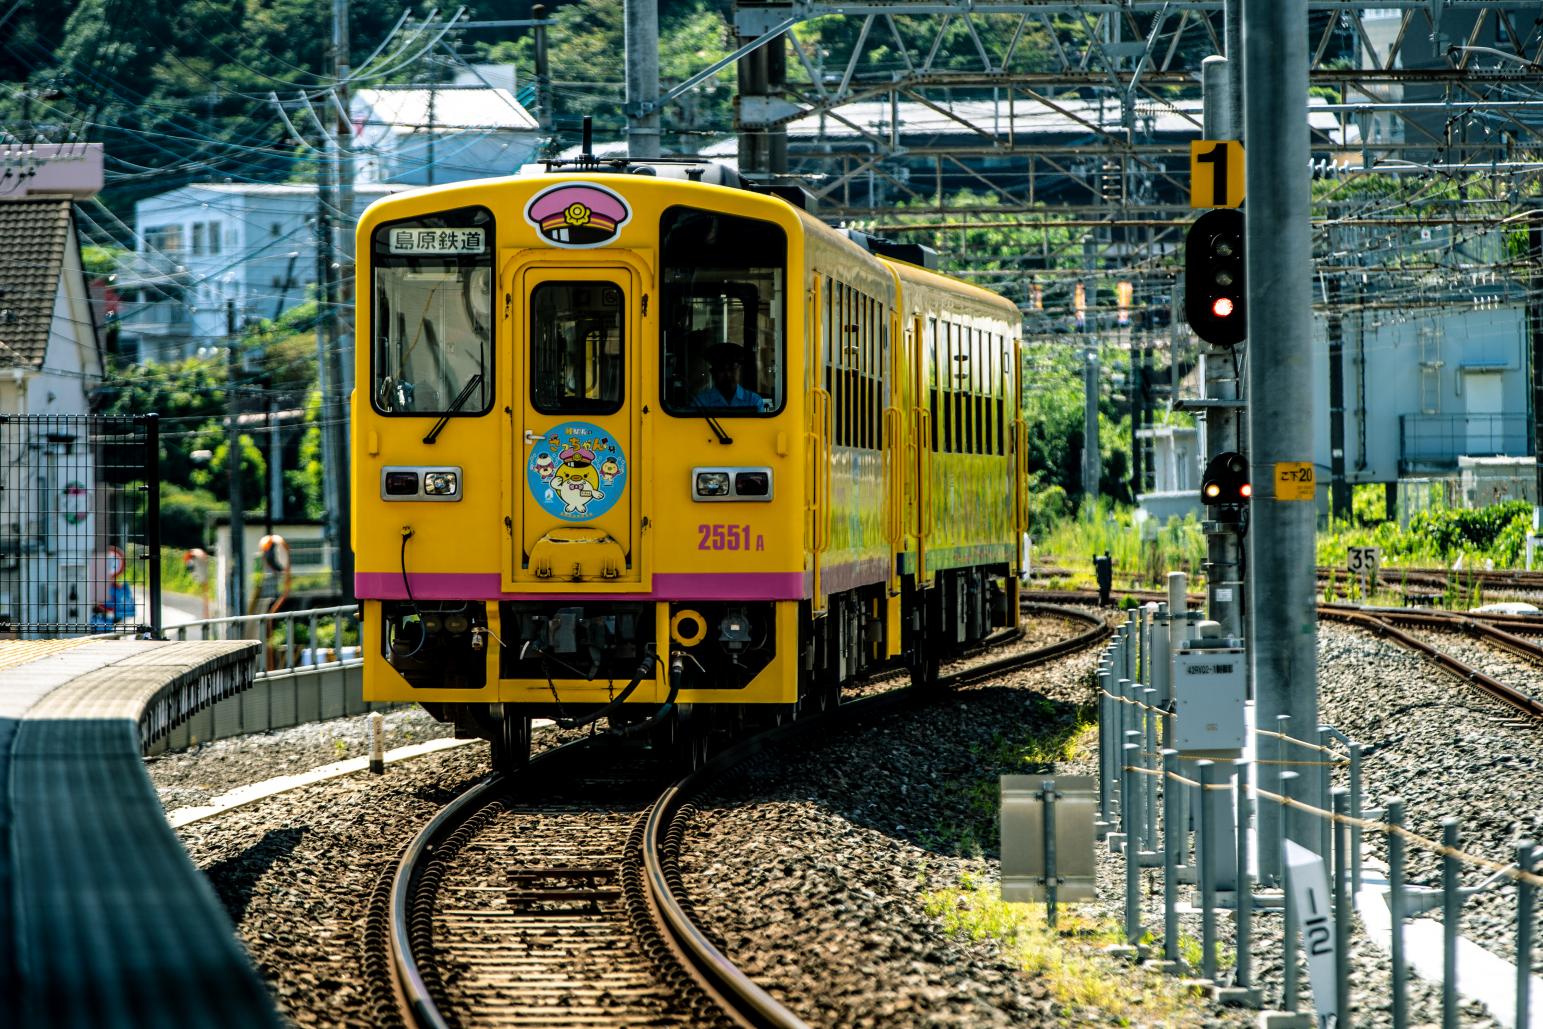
[(732, 660)]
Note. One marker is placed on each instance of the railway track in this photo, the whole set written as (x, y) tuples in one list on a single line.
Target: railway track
[(552, 897)]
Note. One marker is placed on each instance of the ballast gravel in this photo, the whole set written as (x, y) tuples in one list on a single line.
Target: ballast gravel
[(1449, 750), (816, 868)]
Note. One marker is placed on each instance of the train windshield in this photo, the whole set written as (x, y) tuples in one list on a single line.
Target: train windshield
[(724, 314), (432, 314)]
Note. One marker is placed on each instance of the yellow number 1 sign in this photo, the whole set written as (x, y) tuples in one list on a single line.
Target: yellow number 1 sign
[(1215, 173)]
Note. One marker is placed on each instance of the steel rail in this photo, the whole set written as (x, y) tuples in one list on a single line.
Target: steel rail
[(739, 998), (416, 1002), (1527, 705), (742, 1000)]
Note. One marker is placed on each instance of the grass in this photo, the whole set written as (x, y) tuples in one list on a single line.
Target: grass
[(1087, 985)]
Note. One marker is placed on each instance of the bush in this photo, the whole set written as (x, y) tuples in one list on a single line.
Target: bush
[(1458, 530), (184, 516)]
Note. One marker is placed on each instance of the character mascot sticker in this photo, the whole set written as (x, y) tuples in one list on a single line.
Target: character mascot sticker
[(577, 472)]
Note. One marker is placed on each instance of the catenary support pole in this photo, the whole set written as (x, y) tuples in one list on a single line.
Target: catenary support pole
[(1282, 405), (641, 29), (343, 301)]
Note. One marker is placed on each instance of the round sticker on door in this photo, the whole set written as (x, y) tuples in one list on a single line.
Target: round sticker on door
[(576, 471)]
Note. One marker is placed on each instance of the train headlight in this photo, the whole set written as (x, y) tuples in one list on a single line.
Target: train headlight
[(712, 484), (457, 623), (732, 484), (752, 484), (440, 484), (401, 484)]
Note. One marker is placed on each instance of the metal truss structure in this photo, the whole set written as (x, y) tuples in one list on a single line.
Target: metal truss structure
[(1043, 146), (1072, 121)]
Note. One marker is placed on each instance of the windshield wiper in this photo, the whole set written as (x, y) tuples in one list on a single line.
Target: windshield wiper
[(723, 437), (455, 405)]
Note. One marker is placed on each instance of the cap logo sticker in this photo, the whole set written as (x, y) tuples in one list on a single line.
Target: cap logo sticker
[(577, 471), (577, 214)]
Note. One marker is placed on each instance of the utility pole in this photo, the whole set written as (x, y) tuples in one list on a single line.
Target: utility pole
[(237, 582), (342, 350), (328, 382), (1283, 654), (1223, 406), (641, 29), (1092, 457), (543, 71)]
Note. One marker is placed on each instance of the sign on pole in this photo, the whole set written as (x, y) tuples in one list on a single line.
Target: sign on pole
[(1363, 561), (1215, 173), (1294, 480), (1314, 906)]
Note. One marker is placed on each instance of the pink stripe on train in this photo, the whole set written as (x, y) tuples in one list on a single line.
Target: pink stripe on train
[(667, 586)]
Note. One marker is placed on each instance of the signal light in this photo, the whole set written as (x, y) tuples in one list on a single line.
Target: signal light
[(1214, 285), (1225, 482)]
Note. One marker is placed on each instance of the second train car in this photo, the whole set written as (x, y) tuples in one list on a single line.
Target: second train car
[(634, 446)]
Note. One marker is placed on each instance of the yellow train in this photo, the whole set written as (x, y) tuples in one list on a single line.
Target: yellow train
[(634, 446)]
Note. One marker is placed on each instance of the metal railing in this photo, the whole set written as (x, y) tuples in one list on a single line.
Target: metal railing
[(1432, 440), (79, 525), (283, 649), (1145, 801)]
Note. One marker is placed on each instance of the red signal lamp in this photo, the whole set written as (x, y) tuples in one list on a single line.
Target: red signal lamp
[(1246, 490), (1222, 307)]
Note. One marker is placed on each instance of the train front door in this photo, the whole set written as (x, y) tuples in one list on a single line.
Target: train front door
[(577, 463)]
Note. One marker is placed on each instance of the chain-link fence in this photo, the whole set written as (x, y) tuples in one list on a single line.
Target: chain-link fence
[(79, 525)]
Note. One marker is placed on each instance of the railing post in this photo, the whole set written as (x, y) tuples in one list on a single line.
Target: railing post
[(1341, 808), (1175, 837), (1128, 818), (1525, 862), (1395, 819), (1355, 814), (1451, 915), (1245, 883), (153, 518), (1149, 759), (1207, 870), (1324, 801), (1289, 936)]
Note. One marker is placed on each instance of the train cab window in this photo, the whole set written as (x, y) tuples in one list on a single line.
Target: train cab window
[(724, 314), (576, 347), (431, 314)]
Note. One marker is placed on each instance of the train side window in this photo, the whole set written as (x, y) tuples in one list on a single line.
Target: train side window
[(723, 314), (576, 347), (931, 349), (431, 314)]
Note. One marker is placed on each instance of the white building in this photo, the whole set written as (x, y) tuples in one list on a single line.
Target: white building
[(207, 244)]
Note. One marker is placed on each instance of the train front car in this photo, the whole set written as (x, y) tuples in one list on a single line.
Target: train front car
[(578, 453)]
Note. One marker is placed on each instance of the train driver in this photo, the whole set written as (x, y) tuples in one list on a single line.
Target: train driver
[(725, 361)]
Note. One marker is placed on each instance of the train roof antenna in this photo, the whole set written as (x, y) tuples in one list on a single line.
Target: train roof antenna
[(587, 154)]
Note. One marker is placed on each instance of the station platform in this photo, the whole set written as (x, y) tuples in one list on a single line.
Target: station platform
[(104, 920)]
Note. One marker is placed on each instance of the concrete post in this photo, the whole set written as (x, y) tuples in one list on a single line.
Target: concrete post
[(641, 31), (1283, 651)]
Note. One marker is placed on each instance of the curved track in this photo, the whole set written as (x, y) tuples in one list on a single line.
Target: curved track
[(587, 922)]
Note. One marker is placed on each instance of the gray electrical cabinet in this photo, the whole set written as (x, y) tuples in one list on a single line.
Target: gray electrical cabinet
[(1210, 685)]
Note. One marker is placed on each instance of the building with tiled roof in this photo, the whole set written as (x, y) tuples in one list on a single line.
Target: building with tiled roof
[(50, 349)]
